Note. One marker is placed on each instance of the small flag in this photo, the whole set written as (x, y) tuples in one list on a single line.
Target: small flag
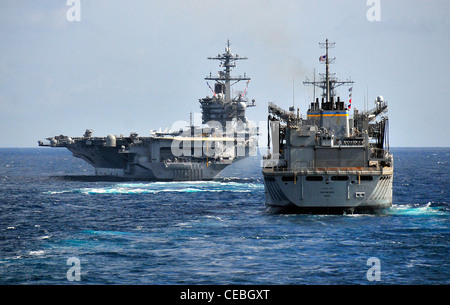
[(211, 89), (323, 58), (350, 97), (246, 87)]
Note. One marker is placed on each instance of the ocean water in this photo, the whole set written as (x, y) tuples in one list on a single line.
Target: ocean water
[(137, 232)]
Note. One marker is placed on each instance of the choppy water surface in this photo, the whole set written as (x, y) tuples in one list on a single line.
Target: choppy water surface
[(214, 232)]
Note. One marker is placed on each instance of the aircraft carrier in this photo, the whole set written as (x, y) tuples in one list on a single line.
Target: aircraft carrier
[(328, 162), (192, 153)]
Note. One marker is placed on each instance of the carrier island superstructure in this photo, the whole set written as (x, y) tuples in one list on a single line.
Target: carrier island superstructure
[(328, 161), (192, 153)]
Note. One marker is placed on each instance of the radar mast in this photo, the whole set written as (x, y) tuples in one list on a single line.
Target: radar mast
[(228, 61)]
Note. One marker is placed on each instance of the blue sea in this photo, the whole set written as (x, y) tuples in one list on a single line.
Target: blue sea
[(54, 217)]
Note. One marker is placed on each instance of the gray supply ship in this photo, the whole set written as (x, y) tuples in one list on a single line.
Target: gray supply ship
[(193, 153), (328, 162)]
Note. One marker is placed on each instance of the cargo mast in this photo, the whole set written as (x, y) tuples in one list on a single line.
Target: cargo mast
[(328, 82)]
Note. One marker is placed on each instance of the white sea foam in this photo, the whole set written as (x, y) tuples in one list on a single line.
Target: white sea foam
[(166, 187), (415, 209), (45, 237)]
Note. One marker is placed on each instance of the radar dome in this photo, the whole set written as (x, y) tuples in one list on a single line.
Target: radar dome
[(110, 141)]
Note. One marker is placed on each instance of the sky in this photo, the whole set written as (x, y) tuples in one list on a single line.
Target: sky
[(136, 65)]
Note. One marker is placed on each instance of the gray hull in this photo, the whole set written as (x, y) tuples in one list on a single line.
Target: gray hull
[(140, 163), (328, 192)]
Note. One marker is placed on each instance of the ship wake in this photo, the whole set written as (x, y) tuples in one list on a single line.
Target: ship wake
[(165, 187), (428, 209)]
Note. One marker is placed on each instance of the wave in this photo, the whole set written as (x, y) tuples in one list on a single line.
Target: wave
[(417, 210), (102, 232), (36, 253), (166, 187)]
